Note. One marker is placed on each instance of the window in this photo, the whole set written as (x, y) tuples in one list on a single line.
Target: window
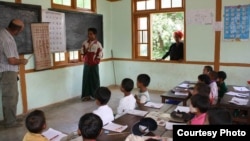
[(64, 58), (154, 22), (78, 5)]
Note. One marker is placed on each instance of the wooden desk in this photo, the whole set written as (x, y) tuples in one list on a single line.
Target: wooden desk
[(130, 120), (170, 95), (224, 103)]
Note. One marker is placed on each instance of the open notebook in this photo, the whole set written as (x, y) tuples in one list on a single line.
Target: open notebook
[(53, 135)]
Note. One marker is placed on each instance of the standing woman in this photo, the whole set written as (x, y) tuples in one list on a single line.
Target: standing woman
[(92, 53), (176, 49)]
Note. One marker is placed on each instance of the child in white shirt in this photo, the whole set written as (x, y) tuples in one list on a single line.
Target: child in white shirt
[(128, 102), (143, 81), (214, 88), (102, 96)]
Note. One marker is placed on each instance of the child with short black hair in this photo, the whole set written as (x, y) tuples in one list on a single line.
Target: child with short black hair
[(207, 69), (222, 88), (219, 116), (199, 106), (214, 88), (90, 126), (143, 81), (201, 88), (204, 78), (35, 122), (102, 96), (128, 102)]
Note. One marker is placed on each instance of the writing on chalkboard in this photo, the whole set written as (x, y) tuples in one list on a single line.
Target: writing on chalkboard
[(28, 14), (77, 24)]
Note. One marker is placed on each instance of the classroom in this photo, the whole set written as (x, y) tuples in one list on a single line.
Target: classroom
[(203, 45)]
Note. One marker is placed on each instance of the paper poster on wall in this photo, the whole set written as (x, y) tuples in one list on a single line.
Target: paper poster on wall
[(56, 30), (200, 16), (41, 45), (236, 22)]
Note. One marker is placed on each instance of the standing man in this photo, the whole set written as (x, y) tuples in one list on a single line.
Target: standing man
[(9, 66), (92, 52)]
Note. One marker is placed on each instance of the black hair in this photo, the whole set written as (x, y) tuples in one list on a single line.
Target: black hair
[(90, 126), (202, 88), (222, 75), (144, 79), (200, 102), (219, 116), (92, 29), (35, 121), (208, 68), (204, 78), (14, 26), (103, 95), (127, 84)]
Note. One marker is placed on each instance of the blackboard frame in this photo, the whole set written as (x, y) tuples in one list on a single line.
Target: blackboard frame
[(80, 35), (24, 39)]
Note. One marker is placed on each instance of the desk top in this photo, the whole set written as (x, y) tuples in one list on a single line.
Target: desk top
[(130, 120), (171, 93), (226, 98)]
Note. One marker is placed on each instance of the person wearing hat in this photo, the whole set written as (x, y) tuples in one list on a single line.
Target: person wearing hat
[(176, 49), (141, 129)]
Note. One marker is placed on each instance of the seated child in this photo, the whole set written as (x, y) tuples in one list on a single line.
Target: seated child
[(214, 88), (222, 88), (199, 106), (35, 122), (128, 102), (90, 126), (201, 88), (102, 96), (207, 69), (143, 81), (219, 116), (203, 78)]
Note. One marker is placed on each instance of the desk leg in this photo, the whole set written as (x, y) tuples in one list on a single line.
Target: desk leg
[(163, 99)]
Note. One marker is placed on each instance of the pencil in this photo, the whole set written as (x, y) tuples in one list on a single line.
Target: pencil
[(54, 137), (118, 133)]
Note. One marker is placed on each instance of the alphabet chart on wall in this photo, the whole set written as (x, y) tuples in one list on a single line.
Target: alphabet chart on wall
[(236, 22), (56, 30), (41, 46)]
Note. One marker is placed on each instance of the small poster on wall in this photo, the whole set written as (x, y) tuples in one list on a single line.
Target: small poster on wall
[(236, 22), (41, 45), (57, 31)]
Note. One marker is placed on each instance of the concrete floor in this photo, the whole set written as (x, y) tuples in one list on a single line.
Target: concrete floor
[(64, 116)]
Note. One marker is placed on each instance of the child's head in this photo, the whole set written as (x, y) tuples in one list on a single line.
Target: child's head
[(207, 69), (221, 76), (201, 88), (102, 95), (143, 80), (199, 104), (213, 75), (90, 126), (218, 116), (35, 121), (203, 78), (92, 33), (127, 85)]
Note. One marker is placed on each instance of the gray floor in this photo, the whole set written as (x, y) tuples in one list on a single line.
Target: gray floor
[(64, 116)]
